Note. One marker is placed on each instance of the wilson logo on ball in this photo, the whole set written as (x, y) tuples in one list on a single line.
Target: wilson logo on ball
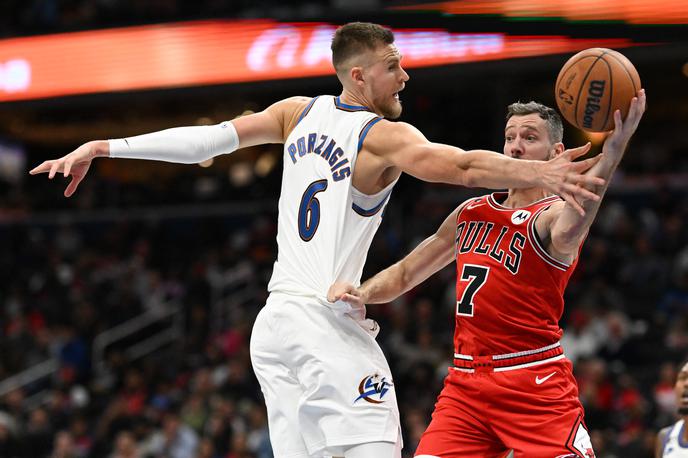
[(592, 105)]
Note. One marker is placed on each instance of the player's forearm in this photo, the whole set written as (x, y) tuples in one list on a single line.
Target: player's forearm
[(185, 145), (385, 286), (431, 255), (571, 228), (487, 169)]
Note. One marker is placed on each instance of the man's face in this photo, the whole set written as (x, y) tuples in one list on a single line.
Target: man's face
[(526, 137), (384, 79), (681, 390)]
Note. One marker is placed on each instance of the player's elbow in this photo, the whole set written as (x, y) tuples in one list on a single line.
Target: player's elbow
[(469, 177), (469, 173)]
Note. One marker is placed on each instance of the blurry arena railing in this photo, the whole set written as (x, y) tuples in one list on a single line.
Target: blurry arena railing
[(168, 326), (31, 375), (155, 329)]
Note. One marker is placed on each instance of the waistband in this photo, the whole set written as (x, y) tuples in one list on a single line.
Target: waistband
[(508, 361), (340, 308)]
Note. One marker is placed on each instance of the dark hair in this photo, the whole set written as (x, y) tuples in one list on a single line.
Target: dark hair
[(356, 37), (554, 126), (681, 363)]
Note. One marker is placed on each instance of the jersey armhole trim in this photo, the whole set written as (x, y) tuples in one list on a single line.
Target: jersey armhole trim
[(306, 110), (667, 437), (537, 244), (364, 131), (681, 442), (372, 211)]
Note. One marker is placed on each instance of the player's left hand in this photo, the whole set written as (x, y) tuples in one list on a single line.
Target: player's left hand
[(341, 291), (74, 164), (352, 296), (566, 178), (617, 140)]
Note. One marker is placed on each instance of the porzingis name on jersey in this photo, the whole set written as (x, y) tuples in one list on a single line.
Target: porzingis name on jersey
[(324, 147), (507, 249)]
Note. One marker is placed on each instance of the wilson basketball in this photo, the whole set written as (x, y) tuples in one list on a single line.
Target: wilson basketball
[(592, 85)]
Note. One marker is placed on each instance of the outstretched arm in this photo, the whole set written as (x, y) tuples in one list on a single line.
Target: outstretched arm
[(562, 226), (427, 258), (403, 146), (186, 145)]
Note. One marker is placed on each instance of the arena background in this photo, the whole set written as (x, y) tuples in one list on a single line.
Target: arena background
[(125, 311)]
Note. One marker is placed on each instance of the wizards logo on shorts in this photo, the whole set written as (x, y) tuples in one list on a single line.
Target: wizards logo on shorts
[(373, 389)]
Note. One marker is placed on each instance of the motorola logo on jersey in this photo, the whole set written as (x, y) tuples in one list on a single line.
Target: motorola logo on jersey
[(520, 216), (373, 389)]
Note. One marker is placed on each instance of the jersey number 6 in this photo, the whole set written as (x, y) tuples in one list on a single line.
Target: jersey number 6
[(309, 210), (476, 276)]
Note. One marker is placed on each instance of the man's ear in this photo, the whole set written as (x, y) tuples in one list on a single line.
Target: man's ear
[(557, 150), (356, 74)]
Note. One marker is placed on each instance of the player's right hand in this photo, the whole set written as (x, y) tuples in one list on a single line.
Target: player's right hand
[(75, 164)]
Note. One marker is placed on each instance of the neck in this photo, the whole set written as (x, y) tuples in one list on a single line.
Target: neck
[(523, 197), (685, 428), (354, 98)]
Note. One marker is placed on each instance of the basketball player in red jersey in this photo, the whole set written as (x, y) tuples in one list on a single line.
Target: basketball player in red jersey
[(511, 386)]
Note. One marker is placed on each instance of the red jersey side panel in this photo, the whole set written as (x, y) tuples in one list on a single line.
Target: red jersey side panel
[(509, 290)]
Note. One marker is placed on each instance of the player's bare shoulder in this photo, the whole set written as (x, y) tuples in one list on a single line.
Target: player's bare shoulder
[(389, 137), (288, 110), (449, 224), (545, 219)]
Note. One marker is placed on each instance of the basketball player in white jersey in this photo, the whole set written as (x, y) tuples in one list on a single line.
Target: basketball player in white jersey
[(327, 385), (672, 441)]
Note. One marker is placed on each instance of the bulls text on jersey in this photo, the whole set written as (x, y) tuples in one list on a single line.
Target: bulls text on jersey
[(507, 249)]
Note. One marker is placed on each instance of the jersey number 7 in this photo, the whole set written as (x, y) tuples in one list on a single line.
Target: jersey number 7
[(476, 276)]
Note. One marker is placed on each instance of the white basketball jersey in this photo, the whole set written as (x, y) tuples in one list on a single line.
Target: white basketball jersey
[(674, 444), (325, 226)]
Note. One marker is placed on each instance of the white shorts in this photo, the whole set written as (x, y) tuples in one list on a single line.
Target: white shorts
[(325, 380)]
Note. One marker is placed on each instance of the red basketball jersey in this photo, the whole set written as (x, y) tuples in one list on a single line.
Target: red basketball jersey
[(509, 290)]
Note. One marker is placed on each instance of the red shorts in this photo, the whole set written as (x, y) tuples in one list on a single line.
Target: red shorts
[(533, 410)]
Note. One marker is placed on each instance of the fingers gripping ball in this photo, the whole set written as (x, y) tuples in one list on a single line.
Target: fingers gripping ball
[(592, 85)]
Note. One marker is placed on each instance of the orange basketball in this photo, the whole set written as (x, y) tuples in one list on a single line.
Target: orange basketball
[(592, 85)]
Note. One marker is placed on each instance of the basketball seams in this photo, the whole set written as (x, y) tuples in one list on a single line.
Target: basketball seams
[(611, 90), (625, 67), (563, 75), (570, 66)]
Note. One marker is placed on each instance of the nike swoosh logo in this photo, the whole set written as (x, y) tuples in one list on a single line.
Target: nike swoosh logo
[(473, 205), (540, 381)]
